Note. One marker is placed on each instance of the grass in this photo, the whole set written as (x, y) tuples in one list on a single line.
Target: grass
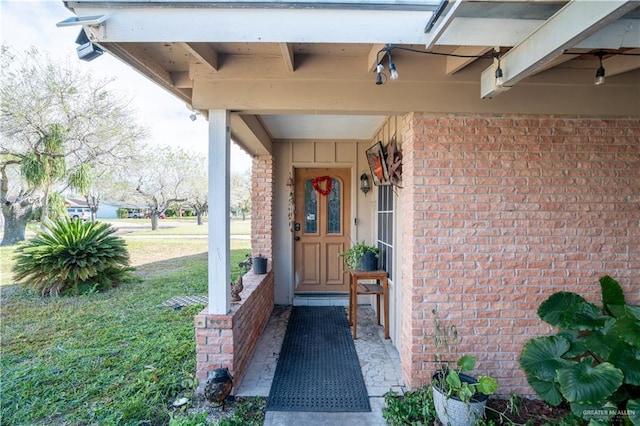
[(110, 358), (166, 227)]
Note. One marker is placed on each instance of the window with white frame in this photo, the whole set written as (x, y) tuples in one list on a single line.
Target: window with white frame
[(385, 228)]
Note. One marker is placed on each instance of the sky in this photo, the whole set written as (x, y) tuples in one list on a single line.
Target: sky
[(26, 23)]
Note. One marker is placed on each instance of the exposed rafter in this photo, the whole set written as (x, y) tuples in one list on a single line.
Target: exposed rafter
[(560, 59), (287, 55), (455, 64), (620, 64), (572, 24), (203, 54), (372, 57), (148, 66), (248, 132)]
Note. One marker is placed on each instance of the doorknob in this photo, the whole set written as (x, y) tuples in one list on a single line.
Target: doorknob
[(297, 238)]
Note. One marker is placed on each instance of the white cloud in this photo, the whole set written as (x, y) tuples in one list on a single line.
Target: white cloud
[(25, 23)]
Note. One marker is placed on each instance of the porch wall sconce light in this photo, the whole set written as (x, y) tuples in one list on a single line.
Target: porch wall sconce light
[(364, 183)]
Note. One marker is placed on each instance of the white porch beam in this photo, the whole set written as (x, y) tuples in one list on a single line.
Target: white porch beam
[(441, 25), (570, 25), (190, 25), (619, 34), (287, 55), (249, 133), (510, 32), (203, 53), (488, 31), (219, 275)]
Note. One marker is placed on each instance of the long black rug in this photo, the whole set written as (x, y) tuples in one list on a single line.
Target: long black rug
[(318, 368)]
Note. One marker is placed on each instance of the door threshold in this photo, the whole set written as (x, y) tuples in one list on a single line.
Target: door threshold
[(321, 299)]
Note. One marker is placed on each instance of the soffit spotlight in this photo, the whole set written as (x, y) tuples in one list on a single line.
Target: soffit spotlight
[(87, 50)]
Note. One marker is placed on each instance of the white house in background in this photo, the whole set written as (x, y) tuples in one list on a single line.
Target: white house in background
[(107, 211)]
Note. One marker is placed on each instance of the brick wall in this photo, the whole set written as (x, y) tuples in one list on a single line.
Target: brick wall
[(262, 185), (229, 340), (505, 211)]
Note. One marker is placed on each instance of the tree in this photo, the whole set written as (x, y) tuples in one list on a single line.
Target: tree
[(197, 196), (161, 179), (241, 193), (57, 124)]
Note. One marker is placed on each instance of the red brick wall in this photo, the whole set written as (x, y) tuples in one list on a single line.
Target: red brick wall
[(507, 210), (229, 340), (262, 185)]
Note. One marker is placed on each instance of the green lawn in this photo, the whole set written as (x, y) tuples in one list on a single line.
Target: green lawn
[(116, 358), (236, 227)]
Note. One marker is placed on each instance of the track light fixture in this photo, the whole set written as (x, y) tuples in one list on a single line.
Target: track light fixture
[(379, 69), (599, 80), (393, 72), (499, 82)]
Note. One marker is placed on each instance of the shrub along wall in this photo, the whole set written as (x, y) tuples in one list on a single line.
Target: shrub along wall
[(507, 210)]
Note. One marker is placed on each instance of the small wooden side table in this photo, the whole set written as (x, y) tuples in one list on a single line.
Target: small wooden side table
[(380, 288)]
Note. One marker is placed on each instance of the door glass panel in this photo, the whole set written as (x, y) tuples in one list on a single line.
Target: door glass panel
[(310, 208), (333, 208)]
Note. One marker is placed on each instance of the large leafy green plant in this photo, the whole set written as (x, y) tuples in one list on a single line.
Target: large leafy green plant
[(593, 362), (71, 256)]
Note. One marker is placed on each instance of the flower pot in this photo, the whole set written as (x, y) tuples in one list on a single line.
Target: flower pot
[(368, 262), (260, 265), (454, 412)]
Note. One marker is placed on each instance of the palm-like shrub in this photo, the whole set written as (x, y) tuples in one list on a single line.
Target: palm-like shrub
[(593, 362), (72, 257)]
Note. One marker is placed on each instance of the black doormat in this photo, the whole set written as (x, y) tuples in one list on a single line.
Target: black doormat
[(318, 368)]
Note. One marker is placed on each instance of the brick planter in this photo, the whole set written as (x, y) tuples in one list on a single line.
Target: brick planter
[(229, 340)]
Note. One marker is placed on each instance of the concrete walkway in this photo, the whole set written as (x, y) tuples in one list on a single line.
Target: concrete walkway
[(379, 361)]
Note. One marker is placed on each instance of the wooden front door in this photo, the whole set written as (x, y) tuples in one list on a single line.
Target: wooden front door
[(321, 230)]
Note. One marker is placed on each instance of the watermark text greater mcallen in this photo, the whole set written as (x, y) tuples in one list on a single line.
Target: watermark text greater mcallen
[(608, 413)]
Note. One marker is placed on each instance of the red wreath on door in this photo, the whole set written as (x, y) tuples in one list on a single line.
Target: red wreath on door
[(317, 181)]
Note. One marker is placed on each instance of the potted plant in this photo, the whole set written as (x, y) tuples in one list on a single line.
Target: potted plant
[(361, 257), (459, 399)]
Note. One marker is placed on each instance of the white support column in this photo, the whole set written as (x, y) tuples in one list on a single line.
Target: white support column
[(219, 252)]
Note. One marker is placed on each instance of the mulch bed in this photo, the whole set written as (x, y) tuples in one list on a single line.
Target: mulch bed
[(536, 412)]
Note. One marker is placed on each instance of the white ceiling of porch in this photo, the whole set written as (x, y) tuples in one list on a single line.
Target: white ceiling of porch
[(321, 126)]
